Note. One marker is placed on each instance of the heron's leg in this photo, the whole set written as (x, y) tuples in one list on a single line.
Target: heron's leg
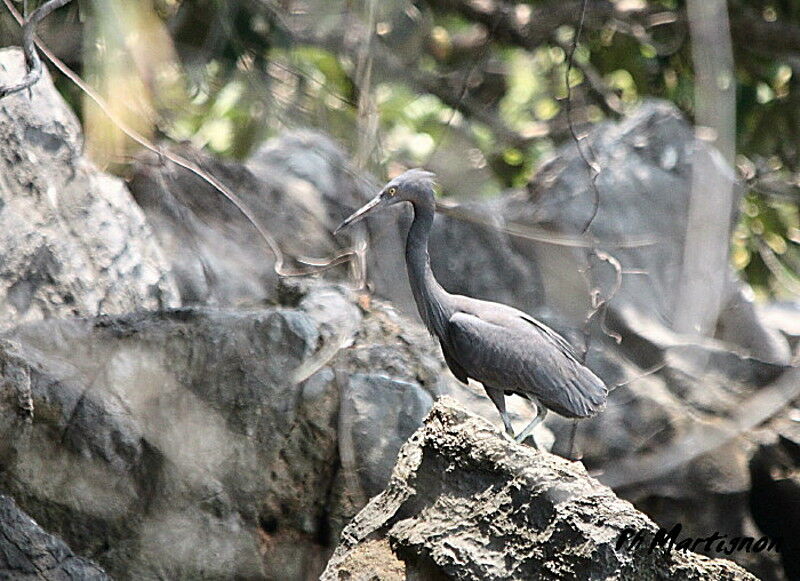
[(541, 412), (499, 400)]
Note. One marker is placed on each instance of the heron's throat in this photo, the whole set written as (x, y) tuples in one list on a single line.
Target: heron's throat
[(429, 295)]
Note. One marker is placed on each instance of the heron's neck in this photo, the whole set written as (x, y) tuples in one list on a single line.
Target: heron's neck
[(431, 298)]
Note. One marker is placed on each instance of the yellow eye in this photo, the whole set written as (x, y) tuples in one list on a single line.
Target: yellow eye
[(392, 191)]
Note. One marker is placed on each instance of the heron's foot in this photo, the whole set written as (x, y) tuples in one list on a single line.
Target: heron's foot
[(541, 412), (524, 438), (507, 437), (508, 434)]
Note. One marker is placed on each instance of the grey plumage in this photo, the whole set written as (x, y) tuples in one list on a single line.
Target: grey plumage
[(506, 350)]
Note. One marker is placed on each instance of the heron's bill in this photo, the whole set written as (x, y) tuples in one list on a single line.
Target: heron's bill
[(360, 213)]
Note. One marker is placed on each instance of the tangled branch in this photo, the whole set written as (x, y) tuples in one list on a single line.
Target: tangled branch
[(29, 43)]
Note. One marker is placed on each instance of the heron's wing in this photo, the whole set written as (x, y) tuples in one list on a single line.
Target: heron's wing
[(454, 366), (550, 334), (513, 352)]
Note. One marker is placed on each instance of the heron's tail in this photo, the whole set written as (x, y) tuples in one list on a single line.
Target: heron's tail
[(587, 396)]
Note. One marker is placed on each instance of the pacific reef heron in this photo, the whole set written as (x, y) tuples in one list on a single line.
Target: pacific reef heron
[(506, 350)]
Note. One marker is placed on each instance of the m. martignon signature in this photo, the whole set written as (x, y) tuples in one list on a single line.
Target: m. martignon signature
[(632, 539)]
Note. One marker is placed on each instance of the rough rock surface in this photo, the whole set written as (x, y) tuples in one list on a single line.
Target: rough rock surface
[(27, 552), (302, 182), (74, 241), (644, 196), (314, 159), (139, 438), (464, 502)]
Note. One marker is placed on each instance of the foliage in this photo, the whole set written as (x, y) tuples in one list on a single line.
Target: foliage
[(474, 89)]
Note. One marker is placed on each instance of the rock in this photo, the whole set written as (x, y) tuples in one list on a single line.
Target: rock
[(374, 410), (645, 189), (139, 438), (483, 255), (466, 503), (465, 256), (74, 241), (27, 552), (298, 186), (784, 316), (314, 159), (217, 255)]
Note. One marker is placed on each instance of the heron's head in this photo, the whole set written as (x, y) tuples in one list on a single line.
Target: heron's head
[(415, 186)]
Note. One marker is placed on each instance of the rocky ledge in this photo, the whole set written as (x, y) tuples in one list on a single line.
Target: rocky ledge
[(464, 502)]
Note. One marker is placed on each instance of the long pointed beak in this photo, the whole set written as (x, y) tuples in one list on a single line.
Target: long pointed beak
[(360, 213)]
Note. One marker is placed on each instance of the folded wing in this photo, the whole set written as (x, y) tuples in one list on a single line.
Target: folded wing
[(509, 350)]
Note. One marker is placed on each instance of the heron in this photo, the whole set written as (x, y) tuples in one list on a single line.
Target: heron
[(503, 348)]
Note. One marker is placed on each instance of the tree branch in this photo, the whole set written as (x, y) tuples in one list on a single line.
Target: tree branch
[(29, 47)]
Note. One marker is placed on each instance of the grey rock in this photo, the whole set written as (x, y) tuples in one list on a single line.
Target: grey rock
[(300, 186), (140, 438), (73, 241), (784, 316), (311, 158), (315, 158), (376, 409), (27, 552), (217, 255), (641, 220), (466, 256), (466, 503)]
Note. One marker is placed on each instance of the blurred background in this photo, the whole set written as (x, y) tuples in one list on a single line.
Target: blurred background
[(473, 90)]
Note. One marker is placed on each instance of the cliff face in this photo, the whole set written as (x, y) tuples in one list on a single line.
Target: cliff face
[(465, 502)]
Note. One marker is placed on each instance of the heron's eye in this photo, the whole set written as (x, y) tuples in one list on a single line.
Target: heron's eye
[(392, 191)]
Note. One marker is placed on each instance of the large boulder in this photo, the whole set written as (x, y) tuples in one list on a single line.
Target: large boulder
[(74, 241), (299, 187), (464, 502), (644, 192), (250, 434)]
